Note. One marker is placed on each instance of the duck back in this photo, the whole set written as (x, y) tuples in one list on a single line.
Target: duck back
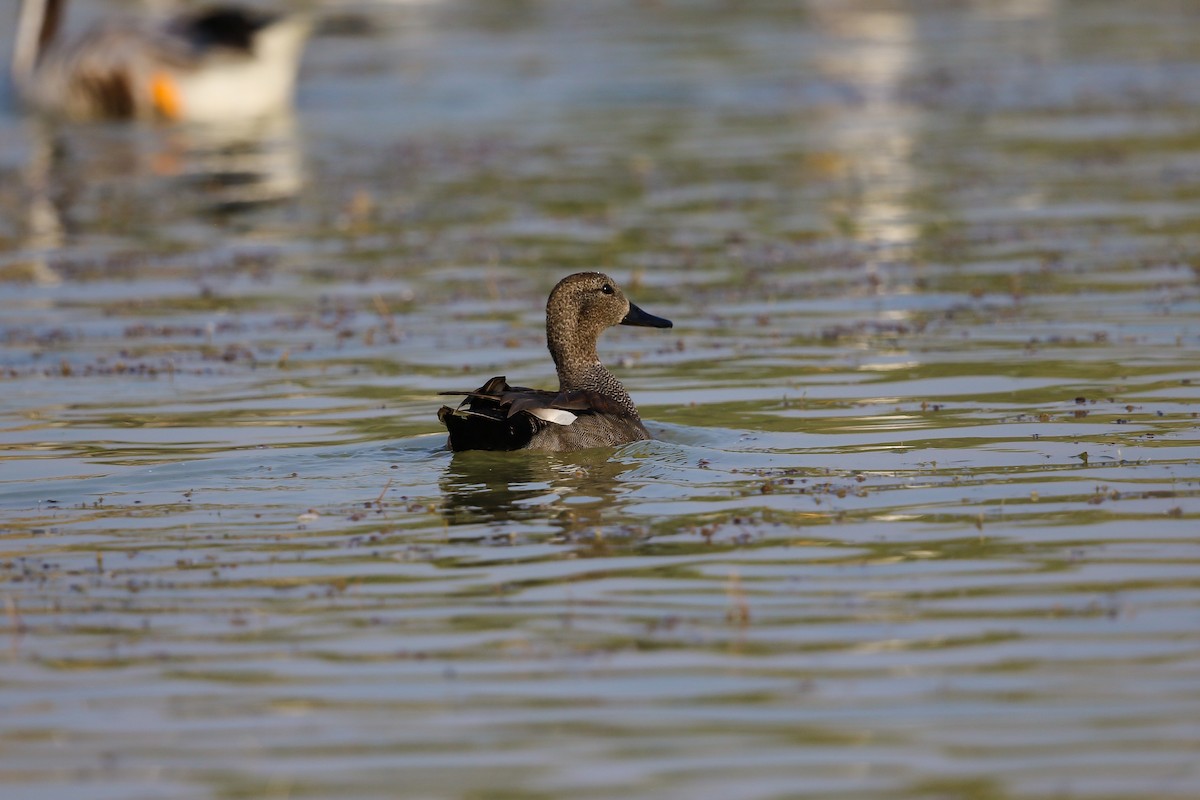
[(497, 416)]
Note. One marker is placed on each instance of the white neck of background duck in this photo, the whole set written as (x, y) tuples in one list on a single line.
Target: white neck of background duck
[(37, 24)]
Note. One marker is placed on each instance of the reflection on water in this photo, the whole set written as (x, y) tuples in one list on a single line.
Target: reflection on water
[(77, 182), (571, 493), (924, 491), (44, 230), (224, 168), (875, 146), (234, 167)]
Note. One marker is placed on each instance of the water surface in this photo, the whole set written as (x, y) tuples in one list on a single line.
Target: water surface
[(920, 517)]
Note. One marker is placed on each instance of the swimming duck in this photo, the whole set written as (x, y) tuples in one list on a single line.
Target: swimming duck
[(590, 409), (208, 65)]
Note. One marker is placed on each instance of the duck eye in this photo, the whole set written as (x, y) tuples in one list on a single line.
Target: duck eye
[(606, 288)]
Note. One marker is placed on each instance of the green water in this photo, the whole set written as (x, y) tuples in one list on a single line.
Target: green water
[(920, 518)]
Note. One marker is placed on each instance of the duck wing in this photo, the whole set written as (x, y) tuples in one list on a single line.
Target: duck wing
[(497, 396), (497, 416)]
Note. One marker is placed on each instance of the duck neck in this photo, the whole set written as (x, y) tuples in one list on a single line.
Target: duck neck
[(37, 26), (579, 368)]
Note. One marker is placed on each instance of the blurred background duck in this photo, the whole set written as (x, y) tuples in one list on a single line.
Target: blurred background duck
[(214, 64)]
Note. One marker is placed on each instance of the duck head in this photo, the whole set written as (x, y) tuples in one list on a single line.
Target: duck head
[(580, 308)]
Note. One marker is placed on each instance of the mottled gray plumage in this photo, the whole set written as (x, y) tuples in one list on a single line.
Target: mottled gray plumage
[(601, 413)]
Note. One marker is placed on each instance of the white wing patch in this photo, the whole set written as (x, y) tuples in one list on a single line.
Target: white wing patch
[(555, 415)]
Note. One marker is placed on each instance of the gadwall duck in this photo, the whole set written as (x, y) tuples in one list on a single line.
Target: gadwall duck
[(208, 65), (590, 409)]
